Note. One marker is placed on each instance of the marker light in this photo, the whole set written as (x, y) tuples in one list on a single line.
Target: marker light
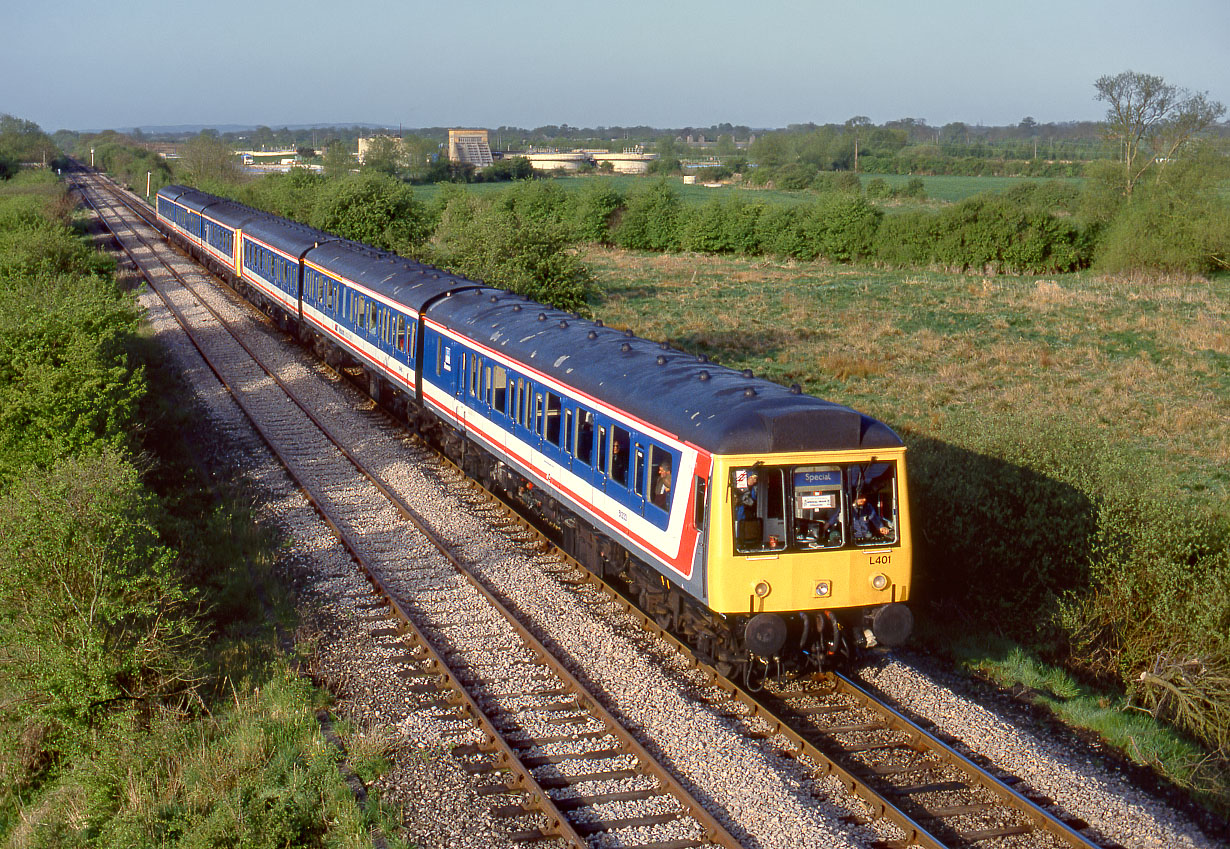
[(879, 581), (762, 589), (823, 589)]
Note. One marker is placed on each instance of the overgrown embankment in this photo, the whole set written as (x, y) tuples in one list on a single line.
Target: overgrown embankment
[(143, 701)]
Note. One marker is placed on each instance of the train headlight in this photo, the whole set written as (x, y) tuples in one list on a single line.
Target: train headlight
[(824, 589), (879, 581), (762, 589)]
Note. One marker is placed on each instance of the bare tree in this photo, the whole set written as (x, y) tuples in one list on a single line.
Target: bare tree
[(208, 157), (1152, 119)]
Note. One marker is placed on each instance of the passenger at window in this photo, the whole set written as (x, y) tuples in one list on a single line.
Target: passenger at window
[(774, 541), (662, 487), (619, 462), (865, 519)]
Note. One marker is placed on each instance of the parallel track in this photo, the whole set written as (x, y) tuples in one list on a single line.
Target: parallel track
[(933, 794)]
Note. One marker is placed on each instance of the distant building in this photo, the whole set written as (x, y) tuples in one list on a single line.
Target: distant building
[(470, 146), (366, 143)]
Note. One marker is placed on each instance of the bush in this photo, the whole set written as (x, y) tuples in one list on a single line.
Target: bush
[(90, 611), (595, 210), (841, 227), (292, 195), (989, 232), (375, 209), (1178, 222), (492, 243), (781, 231), (651, 219), (906, 239)]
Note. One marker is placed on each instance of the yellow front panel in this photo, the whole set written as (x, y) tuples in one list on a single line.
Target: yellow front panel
[(793, 576)]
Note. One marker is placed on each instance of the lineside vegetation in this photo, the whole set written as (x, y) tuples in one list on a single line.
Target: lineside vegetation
[(143, 698)]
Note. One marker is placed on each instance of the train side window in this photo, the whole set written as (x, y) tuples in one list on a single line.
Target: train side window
[(474, 367), (487, 385), (569, 433), (621, 444), (698, 505), (871, 492), (660, 480), (585, 436), (401, 332), (552, 424), (602, 449), (499, 387), (414, 335), (538, 413)]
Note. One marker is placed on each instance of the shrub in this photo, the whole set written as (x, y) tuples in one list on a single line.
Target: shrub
[(782, 231), (540, 202), (841, 227), (375, 209), (491, 243), (67, 382), (90, 611), (1178, 222), (906, 238), (651, 219), (595, 210), (991, 232)]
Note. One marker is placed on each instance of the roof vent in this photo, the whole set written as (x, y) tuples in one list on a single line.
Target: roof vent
[(593, 334), (665, 346), (436, 276), (625, 347), (563, 323), (749, 392), (704, 375), (508, 291), (703, 358), (493, 298), (542, 316), (747, 372), (795, 389), (599, 322), (661, 360), (516, 308), (628, 333)]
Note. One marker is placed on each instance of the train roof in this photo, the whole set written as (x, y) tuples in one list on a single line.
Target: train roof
[(716, 408), (290, 236), (397, 278)]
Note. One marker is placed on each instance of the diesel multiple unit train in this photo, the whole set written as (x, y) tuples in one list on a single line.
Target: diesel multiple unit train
[(761, 525)]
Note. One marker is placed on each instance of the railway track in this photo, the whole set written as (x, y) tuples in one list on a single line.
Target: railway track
[(924, 786), (560, 765)]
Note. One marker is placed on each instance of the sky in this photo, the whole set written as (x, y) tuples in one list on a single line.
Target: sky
[(665, 63)]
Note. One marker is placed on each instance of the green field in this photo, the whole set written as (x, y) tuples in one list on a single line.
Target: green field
[(949, 189)]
